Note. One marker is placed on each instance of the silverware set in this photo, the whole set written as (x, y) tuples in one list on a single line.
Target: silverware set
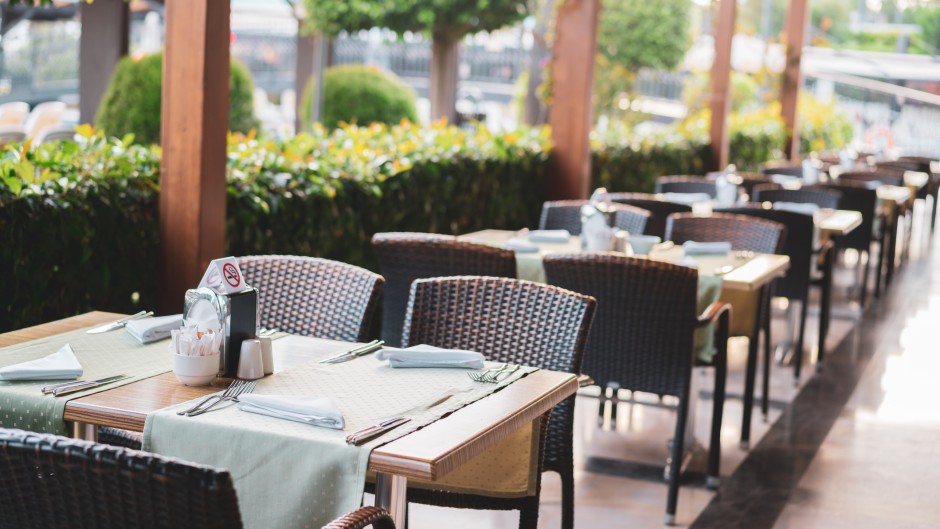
[(236, 388), (355, 352), (367, 434), (120, 323), (75, 386), (494, 374)]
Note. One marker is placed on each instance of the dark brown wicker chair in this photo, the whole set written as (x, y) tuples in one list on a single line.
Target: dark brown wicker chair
[(515, 321), (312, 296), (404, 257), (566, 215), (885, 177), (642, 336), (659, 210), (785, 168), (822, 198), (685, 184), (54, 481), (748, 234), (932, 189)]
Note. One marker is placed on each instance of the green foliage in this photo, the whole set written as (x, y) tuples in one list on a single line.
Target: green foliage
[(80, 218), (638, 34), (361, 94), (132, 103), (928, 18), (744, 91)]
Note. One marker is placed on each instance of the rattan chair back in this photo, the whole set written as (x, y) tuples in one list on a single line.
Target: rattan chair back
[(685, 184), (642, 336), (404, 257), (744, 233), (784, 168), (566, 215), (659, 210), (312, 296), (884, 177), (861, 197), (53, 481), (820, 197), (798, 246)]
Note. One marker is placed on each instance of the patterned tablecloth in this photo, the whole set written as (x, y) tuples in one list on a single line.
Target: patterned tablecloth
[(292, 475), (22, 405)]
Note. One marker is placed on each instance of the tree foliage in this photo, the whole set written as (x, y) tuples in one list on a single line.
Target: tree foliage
[(363, 95), (643, 33)]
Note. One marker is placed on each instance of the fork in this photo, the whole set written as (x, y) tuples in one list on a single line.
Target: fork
[(481, 376), (244, 389), (228, 391)]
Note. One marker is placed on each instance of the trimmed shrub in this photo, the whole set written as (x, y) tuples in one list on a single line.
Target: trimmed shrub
[(80, 218), (132, 102), (361, 94)]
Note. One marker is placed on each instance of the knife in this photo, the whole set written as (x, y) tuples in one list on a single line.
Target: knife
[(58, 392), (119, 323), (52, 387), (362, 350), (367, 434)]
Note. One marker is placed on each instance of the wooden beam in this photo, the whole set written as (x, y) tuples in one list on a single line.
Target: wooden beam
[(721, 83), (571, 116), (797, 20), (195, 124), (102, 44)]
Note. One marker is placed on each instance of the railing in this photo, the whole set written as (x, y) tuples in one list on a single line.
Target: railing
[(885, 116)]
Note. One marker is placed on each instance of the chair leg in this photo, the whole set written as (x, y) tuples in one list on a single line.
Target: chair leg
[(865, 273), (798, 350), (825, 307), (879, 272), (933, 216), (718, 405), (567, 498), (529, 515), (768, 343), (675, 464), (751, 372)]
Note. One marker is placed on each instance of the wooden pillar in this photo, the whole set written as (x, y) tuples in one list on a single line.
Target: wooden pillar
[(797, 19), (721, 83), (303, 73), (103, 43), (194, 127), (571, 116)]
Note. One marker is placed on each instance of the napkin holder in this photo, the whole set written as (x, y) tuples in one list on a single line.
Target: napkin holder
[(237, 316)]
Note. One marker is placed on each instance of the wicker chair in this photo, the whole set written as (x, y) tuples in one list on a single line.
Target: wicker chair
[(642, 336), (748, 234), (312, 296), (932, 189), (404, 257), (784, 168), (59, 482), (885, 177), (515, 321), (566, 215), (822, 198), (659, 210), (685, 184)]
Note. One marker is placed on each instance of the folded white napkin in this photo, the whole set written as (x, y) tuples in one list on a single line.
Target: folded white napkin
[(148, 330), (706, 248), (686, 198), (518, 244), (316, 411), (549, 236), (807, 208), (430, 356), (61, 365)]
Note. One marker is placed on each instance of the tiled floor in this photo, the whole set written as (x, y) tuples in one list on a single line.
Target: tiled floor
[(832, 453)]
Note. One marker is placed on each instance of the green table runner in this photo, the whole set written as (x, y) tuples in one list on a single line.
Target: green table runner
[(293, 475), (101, 355)]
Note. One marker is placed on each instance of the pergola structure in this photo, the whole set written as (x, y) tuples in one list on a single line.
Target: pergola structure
[(196, 97)]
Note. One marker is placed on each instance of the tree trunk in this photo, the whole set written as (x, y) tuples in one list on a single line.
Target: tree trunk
[(102, 44), (445, 59), (534, 112)]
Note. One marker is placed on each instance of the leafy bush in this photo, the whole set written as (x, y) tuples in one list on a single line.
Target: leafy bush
[(822, 126), (80, 218), (361, 94), (132, 102)]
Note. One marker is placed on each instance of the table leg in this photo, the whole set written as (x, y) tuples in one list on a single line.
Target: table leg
[(751, 372), (391, 493), (892, 247), (825, 306), (85, 431)]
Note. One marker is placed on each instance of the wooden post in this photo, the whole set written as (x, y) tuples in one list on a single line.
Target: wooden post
[(303, 73), (571, 116), (195, 124), (797, 19), (721, 83), (445, 63), (102, 44)]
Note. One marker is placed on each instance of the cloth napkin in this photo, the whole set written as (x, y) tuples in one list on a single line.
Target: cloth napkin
[(148, 330), (315, 411), (430, 356), (706, 248), (686, 198), (558, 236), (61, 365), (518, 244), (807, 208)]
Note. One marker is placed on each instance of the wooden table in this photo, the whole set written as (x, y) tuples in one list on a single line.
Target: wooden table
[(427, 454)]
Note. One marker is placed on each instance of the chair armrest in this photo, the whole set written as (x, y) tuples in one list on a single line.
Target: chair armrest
[(362, 517), (712, 312)]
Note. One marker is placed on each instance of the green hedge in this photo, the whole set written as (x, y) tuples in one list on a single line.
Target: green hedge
[(80, 218), (361, 94)]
